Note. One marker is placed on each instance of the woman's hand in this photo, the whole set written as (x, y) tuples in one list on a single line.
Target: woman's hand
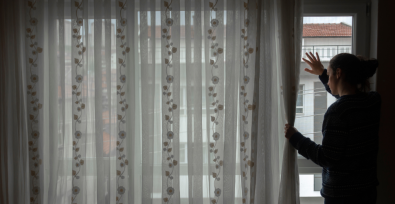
[(315, 64), (289, 131)]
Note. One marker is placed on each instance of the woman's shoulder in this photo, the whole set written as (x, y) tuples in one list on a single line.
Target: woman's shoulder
[(360, 100), (374, 95), (345, 106)]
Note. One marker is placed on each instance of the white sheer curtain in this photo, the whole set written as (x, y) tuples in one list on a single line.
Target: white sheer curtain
[(157, 101), (290, 43)]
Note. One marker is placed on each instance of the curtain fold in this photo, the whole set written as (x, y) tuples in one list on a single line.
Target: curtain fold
[(290, 42), (158, 101)]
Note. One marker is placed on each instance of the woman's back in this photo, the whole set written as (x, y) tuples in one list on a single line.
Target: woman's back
[(348, 153), (358, 115)]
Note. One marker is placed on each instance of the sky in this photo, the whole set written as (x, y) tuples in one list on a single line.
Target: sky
[(345, 19)]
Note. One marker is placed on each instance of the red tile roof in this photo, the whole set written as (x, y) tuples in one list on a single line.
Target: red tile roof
[(327, 30)]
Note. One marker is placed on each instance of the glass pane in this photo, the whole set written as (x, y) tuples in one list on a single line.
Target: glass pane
[(183, 152), (328, 36), (299, 101), (307, 186), (317, 182), (299, 110)]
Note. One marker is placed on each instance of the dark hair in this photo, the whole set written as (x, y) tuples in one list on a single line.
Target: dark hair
[(357, 69)]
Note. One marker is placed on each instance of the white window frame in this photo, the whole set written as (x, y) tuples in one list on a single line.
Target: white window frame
[(303, 99), (360, 40)]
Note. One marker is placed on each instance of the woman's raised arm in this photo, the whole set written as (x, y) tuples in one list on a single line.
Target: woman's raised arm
[(318, 69)]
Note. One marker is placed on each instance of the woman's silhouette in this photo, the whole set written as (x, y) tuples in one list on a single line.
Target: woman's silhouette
[(348, 153)]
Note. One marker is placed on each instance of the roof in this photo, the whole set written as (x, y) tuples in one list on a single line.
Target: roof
[(327, 30)]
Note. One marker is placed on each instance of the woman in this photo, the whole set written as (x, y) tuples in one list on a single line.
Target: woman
[(350, 130)]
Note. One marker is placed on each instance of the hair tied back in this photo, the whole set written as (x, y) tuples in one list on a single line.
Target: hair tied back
[(369, 66)]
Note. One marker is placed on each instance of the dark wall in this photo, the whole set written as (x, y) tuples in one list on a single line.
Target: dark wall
[(386, 87)]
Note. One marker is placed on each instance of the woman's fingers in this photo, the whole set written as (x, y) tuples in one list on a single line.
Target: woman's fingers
[(312, 55), (318, 57), (307, 61), (308, 70), (311, 59), (308, 54)]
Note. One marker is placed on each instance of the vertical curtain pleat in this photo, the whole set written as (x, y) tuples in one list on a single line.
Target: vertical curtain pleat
[(198, 140), (109, 135), (55, 62), (218, 95), (81, 106), (170, 84), (65, 183), (35, 49), (133, 153), (147, 103), (193, 39), (206, 81), (62, 195), (254, 68), (176, 39), (190, 81), (290, 45), (231, 95), (248, 100), (14, 151), (267, 154), (99, 109)]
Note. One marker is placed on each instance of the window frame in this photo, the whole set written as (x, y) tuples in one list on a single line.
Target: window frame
[(303, 99), (360, 40)]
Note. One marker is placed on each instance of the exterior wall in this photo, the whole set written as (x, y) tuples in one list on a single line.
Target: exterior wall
[(327, 41), (326, 47)]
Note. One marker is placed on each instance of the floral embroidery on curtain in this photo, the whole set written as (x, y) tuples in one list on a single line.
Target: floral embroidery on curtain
[(246, 107), (156, 129), (168, 146), (122, 160), (216, 51), (78, 104), (34, 104)]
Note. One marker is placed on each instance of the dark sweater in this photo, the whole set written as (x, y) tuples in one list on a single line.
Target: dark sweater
[(348, 153)]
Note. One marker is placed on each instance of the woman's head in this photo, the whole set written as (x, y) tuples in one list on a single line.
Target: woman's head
[(347, 71)]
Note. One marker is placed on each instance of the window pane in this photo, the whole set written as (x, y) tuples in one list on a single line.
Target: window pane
[(299, 110), (317, 182), (299, 101), (183, 152)]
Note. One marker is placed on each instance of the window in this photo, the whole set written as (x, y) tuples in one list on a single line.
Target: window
[(183, 153), (330, 28), (299, 101), (327, 36)]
